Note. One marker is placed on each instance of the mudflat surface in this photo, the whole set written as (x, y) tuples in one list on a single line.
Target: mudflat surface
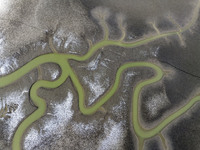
[(165, 34)]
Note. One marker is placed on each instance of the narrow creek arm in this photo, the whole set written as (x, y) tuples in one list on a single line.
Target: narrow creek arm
[(106, 96), (14, 76), (40, 103)]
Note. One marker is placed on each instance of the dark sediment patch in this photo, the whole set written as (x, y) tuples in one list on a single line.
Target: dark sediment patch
[(136, 29), (176, 94), (185, 134), (129, 143), (153, 145), (185, 62)]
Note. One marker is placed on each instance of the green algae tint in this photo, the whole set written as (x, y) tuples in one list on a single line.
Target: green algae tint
[(66, 71)]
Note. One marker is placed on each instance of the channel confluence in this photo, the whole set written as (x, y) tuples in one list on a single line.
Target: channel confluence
[(66, 71)]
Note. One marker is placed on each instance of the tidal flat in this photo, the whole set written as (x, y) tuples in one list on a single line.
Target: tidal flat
[(99, 75)]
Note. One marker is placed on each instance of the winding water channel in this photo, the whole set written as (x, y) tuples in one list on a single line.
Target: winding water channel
[(67, 72)]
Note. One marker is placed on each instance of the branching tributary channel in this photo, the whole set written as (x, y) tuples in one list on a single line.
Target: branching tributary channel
[(67, 72)]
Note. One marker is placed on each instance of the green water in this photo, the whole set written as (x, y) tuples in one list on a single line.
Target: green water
[(67, 72)]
